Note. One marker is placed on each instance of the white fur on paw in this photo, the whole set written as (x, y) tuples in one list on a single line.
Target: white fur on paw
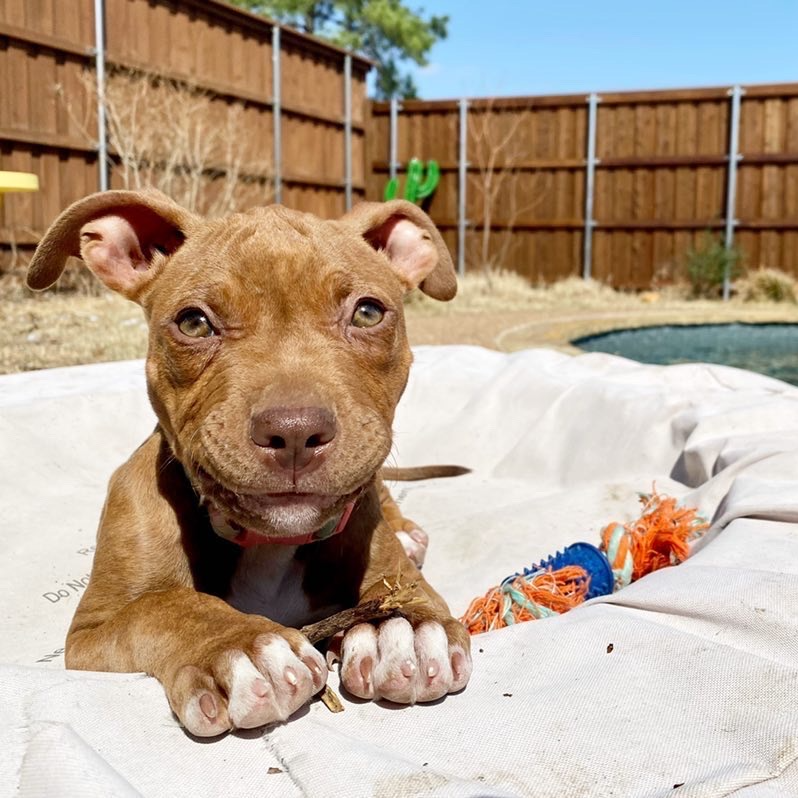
[(251, 701), (434, 668), (358, 658), (275, 685), (402, 665), (293, 680), (396, 672), (415, 545)]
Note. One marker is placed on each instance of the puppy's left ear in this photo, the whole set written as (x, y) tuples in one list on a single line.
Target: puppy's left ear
[(414, 247)]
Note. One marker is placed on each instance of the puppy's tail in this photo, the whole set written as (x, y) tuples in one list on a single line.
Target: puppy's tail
[(424, 472)]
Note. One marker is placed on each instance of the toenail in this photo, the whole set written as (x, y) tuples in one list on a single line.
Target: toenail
[(208, 706), (458, 664), (260, 688), (365, 670), (290, 676), (408, 668), (315, 672)]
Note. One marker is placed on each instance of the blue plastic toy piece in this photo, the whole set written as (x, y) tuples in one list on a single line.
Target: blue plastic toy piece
[(586, 556)]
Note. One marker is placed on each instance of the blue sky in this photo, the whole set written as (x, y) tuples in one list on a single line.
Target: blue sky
[(507, 47)]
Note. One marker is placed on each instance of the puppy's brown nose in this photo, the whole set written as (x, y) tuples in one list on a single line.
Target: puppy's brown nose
[(296, 437)]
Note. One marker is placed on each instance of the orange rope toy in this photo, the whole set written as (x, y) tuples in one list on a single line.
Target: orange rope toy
[(660, 538)]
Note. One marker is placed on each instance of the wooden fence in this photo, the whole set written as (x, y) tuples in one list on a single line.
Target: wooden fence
[(48, 118), (531, 185), (660, 178)]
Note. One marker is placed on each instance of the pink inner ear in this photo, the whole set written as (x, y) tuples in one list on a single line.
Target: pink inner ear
[(118, 249), (409, 248), (111, 249)]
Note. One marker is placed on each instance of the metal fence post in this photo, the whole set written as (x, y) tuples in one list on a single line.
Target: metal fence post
[(393, 142), (99, 65), (462, 174), (590, 184), (734, 157), (348, 131), (277, 133)]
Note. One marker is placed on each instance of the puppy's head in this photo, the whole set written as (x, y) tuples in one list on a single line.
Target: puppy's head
[(277, 349)]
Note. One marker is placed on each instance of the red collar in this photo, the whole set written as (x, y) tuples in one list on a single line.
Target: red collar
[(246, 538)]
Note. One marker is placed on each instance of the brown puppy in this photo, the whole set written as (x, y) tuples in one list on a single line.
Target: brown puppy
[(277, 355)]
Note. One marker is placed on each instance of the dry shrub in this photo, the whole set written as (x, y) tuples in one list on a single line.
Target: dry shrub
[(766, 285), (76, 279), (12, 286), (177, 138)]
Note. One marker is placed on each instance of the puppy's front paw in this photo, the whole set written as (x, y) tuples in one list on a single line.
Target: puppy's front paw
[(250, 686), (403, 664)]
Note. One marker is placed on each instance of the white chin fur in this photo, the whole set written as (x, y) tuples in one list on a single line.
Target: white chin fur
[(293, 519)]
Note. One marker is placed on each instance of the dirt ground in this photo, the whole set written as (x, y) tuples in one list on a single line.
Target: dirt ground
[(59, 329)]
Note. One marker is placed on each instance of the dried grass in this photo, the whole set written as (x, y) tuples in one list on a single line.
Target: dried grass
[(505, 290), (501, 311), (766, 285), (56, 329)]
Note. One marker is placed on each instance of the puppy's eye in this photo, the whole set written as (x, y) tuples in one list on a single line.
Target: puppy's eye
[(368, 313), (194, 323)]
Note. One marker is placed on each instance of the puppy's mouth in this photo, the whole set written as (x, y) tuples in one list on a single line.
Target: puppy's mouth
[(286, 517)]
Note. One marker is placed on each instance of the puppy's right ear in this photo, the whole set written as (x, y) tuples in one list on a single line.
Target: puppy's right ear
[(120, 235)]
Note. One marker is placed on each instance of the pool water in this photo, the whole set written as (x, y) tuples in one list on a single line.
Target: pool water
[(770, 349)]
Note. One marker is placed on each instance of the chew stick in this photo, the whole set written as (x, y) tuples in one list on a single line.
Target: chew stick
[(397, 599)]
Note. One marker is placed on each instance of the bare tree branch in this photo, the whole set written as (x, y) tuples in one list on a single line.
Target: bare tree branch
[(497, 150), (177, 138)]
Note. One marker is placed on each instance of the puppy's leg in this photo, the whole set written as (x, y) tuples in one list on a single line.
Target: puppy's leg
[(419, 657), (414, 540), (221, 669), (144, 609)]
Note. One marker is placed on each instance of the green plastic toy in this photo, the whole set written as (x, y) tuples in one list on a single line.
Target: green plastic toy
[(417, 186)]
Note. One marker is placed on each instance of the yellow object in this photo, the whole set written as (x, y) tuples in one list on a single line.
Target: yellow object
[(18, 181)]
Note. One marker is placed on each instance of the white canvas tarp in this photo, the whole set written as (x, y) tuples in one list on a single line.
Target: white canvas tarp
[(700, 688)]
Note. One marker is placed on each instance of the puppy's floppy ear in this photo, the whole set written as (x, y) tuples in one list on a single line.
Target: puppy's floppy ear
[(118, 234), (411, 242)]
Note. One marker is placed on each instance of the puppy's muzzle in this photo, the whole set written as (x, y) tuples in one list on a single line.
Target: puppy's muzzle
[(294, 439)]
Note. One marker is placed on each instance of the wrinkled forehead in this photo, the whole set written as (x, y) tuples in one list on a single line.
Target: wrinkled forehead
[(274, 252)]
